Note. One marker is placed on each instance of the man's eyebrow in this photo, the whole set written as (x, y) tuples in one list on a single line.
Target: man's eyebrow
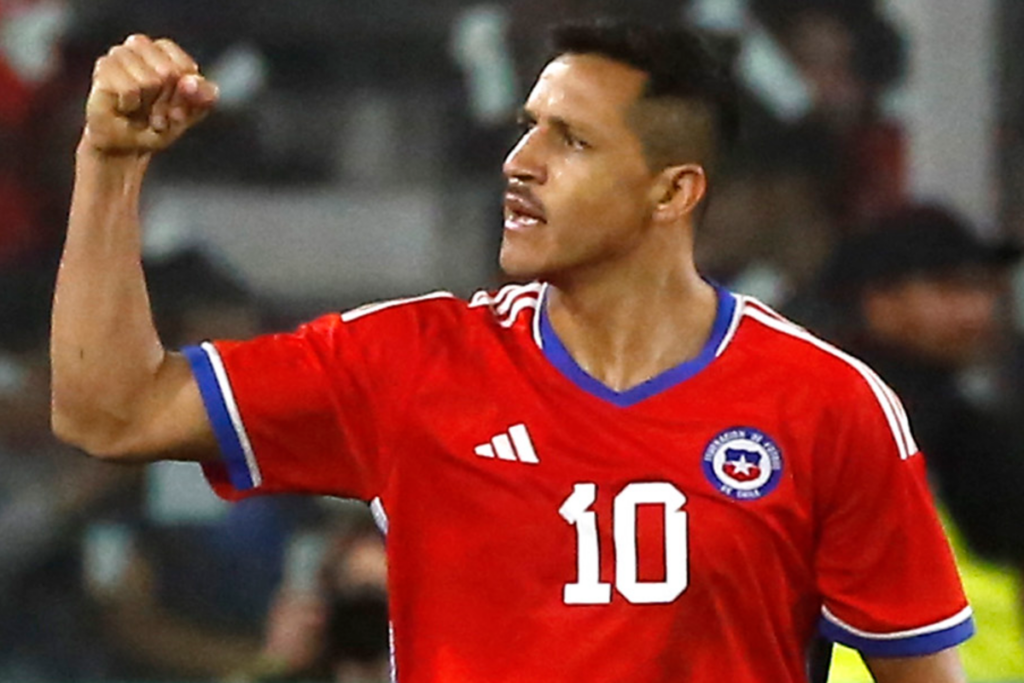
[(525, 116)]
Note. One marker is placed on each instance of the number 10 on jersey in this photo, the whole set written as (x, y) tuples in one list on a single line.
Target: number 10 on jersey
[(588, 589)]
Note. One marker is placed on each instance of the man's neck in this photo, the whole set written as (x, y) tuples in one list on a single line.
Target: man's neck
[(624, 333)]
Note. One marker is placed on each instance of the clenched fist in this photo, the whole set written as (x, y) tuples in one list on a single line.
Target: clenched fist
[(145, 94)]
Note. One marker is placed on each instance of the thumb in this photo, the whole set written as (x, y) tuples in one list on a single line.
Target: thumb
[(198, 91)]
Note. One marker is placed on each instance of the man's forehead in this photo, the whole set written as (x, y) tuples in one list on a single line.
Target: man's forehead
[(586, 83)]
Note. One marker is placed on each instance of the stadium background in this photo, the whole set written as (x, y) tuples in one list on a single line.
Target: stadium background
[(355, 155)]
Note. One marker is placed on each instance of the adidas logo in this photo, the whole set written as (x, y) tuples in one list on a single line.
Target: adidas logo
[(514, 446)]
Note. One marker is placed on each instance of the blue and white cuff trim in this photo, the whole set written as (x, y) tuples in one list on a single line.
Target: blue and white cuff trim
[(913, 642), (222, 409)]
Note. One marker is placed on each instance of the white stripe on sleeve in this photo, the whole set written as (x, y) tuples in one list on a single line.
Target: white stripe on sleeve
[(232, 406)]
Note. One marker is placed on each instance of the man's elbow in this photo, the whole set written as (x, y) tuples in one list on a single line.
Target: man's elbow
[(99, 439), (162, 419)]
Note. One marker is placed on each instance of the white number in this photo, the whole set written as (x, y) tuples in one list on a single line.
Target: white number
[(624, 516), (588, 589)]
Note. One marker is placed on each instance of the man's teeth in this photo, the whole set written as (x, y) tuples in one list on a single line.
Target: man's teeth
[(516, 220)]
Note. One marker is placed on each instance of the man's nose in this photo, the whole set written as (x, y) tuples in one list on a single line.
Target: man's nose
[(525, 162)]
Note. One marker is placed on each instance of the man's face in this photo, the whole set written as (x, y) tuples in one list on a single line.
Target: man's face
[(579, 189), (947, 319)]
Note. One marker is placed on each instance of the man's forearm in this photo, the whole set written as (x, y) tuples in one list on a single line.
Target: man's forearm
[(104, 346)]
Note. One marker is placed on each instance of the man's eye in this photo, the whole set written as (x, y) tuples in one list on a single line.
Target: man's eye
[(574, 141)]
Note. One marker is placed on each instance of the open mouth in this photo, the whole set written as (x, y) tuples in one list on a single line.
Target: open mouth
[(522, 211)]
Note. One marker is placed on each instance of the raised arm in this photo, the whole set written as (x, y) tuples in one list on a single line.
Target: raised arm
[(116, 392)]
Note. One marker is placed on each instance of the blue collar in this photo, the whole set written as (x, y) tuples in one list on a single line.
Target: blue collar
[(559, 356)]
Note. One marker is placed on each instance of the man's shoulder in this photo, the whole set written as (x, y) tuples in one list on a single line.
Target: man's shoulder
[(836, 382), (791, 351), (509, 307)]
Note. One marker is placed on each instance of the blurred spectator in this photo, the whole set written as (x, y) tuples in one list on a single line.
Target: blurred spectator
[(920, 297), (357, 618), (818, 154), (766, 233), (196, 297), (47, 496), (335, 626), (924, 297), (31, 86), (183, 589), (848, 56), (186, 599)]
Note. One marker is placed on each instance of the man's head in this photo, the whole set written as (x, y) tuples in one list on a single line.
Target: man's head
[(686, 110), (620, 132), (922, 282)]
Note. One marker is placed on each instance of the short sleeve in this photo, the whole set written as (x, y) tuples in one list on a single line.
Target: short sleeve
[(887, 576), (294, 412)]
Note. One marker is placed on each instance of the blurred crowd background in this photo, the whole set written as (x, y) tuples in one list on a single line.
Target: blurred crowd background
[(876, 196)]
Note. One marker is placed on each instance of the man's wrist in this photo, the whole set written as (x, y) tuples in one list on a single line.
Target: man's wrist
[(115, 166), (90, 152)]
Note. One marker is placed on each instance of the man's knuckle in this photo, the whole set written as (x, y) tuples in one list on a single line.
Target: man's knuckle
[(175, 51), (124, 54), (162, 70)]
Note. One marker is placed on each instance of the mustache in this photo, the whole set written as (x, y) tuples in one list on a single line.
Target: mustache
[(523, 194)]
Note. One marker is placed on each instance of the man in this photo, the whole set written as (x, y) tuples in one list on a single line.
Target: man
[(922, 295), (618, 472)]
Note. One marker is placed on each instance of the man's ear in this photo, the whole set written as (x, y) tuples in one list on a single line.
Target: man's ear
[(678, 191)]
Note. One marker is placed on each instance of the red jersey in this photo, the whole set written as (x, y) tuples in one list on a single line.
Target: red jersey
[(698, 527)]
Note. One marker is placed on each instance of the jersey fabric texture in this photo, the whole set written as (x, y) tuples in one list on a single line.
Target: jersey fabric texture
[(541, 527), (994, 655)]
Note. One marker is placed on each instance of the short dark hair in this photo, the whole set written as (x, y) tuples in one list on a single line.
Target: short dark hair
[(684, 74)]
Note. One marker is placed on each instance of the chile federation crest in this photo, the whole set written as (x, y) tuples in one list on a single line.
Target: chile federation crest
[(743, 463)]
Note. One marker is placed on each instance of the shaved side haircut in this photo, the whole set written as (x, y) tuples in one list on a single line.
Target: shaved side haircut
[(688, 110)]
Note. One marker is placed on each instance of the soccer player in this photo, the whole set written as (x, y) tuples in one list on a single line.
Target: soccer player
[(617, 471)]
